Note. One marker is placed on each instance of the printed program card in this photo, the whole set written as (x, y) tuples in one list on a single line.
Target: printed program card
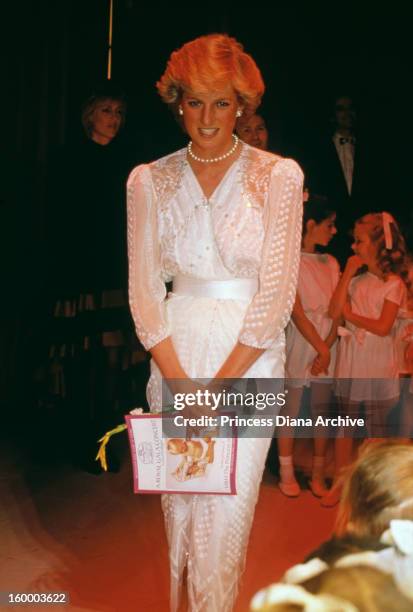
[(198, 465)]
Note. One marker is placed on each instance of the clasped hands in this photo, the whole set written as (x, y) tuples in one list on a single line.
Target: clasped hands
[(321, 362), (193, 399)]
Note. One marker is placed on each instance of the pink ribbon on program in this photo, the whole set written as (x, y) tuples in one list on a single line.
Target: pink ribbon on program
[(388, 239)]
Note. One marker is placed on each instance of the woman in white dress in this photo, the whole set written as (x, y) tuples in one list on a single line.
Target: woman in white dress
[(222, 220)]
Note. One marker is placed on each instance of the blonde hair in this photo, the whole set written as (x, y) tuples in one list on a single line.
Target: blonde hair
[(92, 103), (174, 445), (366, 588), (378, 487), (409, 279), (211, 62), (388, 260)]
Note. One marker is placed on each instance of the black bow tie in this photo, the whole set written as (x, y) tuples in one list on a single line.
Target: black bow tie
[(344, 141)]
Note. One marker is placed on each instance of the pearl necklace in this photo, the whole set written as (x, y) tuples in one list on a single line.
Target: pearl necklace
[(213, 160)]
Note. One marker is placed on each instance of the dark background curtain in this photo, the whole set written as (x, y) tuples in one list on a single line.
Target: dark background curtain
[(55, 53)]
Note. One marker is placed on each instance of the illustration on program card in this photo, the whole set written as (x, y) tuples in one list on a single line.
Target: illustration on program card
[(179, 465)]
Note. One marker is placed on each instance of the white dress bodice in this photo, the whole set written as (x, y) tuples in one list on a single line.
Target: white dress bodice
[(249, 228)]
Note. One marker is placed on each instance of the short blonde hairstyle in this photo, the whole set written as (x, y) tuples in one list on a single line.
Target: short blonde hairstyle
[(92, 103), (378, 487), (210, 63)]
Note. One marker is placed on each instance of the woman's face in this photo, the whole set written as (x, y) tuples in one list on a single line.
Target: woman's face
[(209, 119), (106, 120), (254, 132)]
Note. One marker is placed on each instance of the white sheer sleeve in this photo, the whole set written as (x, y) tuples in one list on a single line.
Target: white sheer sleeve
[(270, 310), (147, 290)]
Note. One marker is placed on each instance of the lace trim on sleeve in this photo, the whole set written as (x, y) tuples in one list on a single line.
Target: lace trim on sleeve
[(147, 291), (270, 310), (256, 175), (167, 176)]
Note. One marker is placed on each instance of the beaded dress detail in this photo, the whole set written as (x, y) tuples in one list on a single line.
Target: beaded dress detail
[(249, 228)]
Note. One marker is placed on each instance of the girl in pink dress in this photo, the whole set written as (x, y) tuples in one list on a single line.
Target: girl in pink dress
[(367, 366), (311, 336)]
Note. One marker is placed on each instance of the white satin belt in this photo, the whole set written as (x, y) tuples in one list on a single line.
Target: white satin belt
[(232, 289), (359, 333)]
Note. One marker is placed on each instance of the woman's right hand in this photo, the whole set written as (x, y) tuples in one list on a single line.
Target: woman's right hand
[(189, 402), (353, 264)]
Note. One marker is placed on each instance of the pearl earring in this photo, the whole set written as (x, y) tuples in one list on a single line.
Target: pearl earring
[(238, 113), (180, 111)]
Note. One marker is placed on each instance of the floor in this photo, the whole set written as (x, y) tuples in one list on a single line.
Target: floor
[(65, 530)]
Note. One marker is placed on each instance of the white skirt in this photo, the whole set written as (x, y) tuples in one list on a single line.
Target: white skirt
[(367, 368), (209, 533)]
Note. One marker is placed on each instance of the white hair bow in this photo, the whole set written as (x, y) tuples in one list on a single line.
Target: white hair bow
[(388, 238), (304, 571)]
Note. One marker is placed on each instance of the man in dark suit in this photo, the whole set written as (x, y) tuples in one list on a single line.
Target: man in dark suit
[(343, 170)]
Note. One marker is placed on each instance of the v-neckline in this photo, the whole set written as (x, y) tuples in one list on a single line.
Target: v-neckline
[(221, 182)]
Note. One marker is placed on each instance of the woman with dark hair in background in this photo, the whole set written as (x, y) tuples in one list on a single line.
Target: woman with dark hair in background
[(252, 129)]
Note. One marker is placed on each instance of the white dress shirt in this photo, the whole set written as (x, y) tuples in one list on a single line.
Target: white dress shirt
[(345, 147)]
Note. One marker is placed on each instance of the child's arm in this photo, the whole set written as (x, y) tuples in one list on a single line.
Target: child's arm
[(180, 471), (340, 294), (381, 326), (408, 331), (317, 367), (332, 334), (307, 329), (408, 355)]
